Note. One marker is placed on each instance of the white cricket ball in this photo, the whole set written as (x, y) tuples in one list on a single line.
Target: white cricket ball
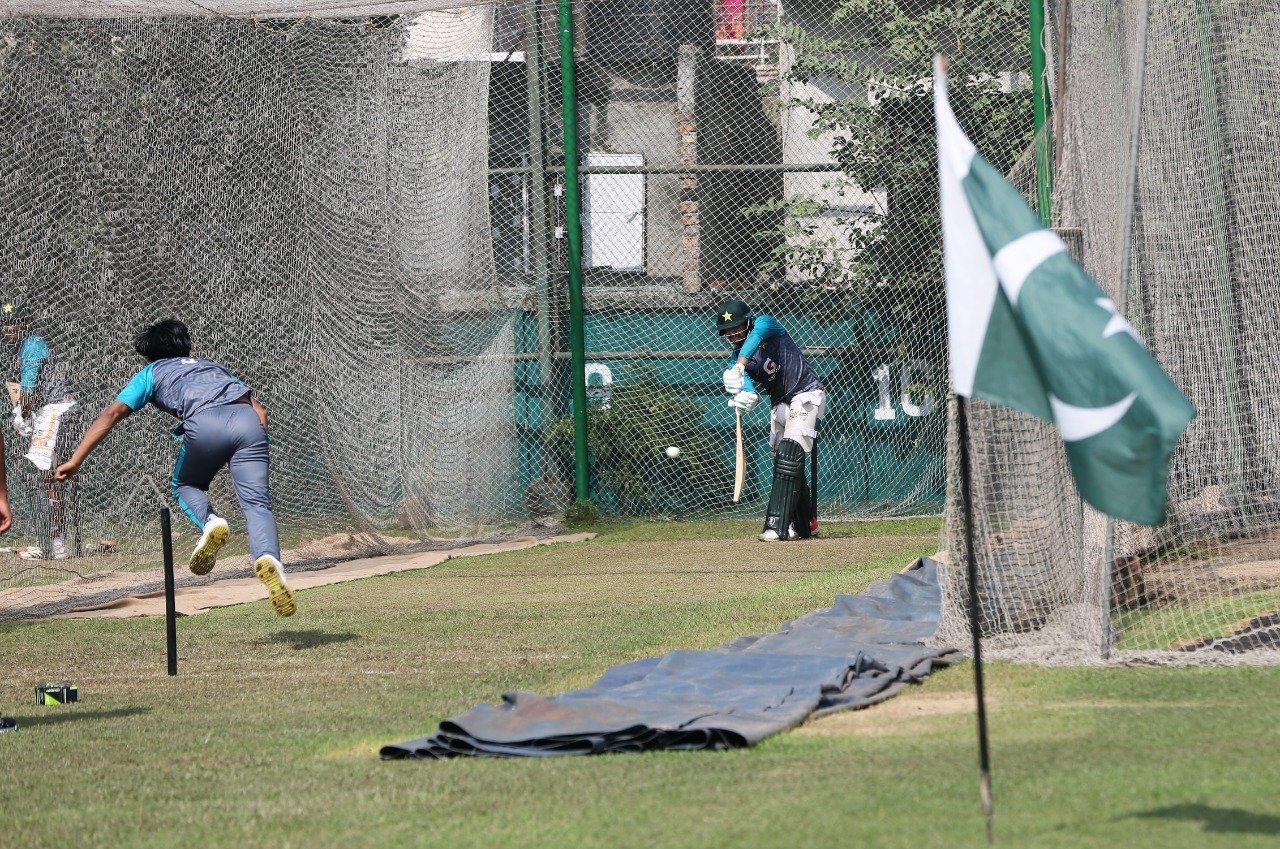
[(673, 452)]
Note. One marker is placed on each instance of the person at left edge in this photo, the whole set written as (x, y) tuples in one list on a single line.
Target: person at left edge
[(42, 405), (222, 425)]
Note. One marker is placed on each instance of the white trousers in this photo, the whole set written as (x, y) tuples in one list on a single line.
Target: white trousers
[(798, 420)]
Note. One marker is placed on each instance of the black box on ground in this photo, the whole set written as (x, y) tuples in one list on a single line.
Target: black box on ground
[(57, 694)]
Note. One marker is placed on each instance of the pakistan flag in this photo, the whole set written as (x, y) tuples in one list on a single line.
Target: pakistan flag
[(1031, 330)]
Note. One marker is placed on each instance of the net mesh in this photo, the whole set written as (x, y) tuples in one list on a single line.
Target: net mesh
[(1058, 581), (281, 187), (363, 216)]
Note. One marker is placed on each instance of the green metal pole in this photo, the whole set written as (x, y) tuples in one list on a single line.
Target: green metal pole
[(1039, 81), (573, 234), (538, 204)]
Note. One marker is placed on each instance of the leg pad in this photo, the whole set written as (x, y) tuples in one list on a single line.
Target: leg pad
[(789, 496)]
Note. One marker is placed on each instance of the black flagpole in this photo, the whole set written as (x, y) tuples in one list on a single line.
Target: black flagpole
[(966, 491)]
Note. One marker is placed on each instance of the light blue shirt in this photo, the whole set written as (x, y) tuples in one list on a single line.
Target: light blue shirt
[(764, 328), (31, 356), (39, 370)]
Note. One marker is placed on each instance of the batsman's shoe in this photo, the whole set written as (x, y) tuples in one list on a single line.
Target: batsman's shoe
[(271, 573), (771, 535), (215, 536)]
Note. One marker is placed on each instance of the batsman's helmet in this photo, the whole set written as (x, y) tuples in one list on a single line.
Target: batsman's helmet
[(13, 312), (731, 314)]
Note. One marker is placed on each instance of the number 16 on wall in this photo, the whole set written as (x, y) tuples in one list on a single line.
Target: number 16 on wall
[(916, 397)]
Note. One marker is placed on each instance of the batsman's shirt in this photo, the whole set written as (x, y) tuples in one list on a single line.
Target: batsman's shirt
[(40, 370), (774, 362), (182, 386)]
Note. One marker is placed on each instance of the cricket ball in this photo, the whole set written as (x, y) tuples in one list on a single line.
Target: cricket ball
[(673, 452)]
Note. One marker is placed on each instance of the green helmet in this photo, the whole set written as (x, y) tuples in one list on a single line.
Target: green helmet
[(731, 314), (13, 312)]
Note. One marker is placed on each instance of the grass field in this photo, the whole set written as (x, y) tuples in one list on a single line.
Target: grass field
[(269, 735)]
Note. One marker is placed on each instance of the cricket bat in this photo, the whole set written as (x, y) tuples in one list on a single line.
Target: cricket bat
[(740, 467)]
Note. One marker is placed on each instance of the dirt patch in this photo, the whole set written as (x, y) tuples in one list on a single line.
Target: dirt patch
[(82, 598), (1231, 565), (899, 715), (903, 714), (1258, 571)]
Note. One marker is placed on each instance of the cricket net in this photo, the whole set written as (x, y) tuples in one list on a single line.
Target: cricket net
[(361, 210), (1058, 581)]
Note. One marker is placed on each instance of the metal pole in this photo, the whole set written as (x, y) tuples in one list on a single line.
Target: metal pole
[(538, 201), (975, 626), (740, 168), (1059, 102), (1044, 176), (813, 485), (170, 603), (573, 234)]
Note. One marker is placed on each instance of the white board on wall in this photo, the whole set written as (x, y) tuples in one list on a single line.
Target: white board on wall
[(613, 214)]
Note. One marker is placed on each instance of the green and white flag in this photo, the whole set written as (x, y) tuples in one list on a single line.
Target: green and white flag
[(1029, 329)]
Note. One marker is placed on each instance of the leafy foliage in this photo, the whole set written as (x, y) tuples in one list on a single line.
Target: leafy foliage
[(886, 143), (581, 514), (626, 440)]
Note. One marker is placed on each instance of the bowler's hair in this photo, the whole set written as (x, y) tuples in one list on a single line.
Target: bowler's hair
[(162, 340)]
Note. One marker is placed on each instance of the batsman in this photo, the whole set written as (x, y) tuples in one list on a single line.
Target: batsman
[(765, 358)]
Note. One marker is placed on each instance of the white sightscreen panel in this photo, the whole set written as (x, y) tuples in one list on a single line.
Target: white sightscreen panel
[(614, 211)]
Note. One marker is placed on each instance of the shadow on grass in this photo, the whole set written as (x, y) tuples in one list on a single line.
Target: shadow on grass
[(66, 713), (299, 640), (1218, 820)]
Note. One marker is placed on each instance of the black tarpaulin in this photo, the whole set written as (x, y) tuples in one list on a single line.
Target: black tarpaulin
[(861, 650)]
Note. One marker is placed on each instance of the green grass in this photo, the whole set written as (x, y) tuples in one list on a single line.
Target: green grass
[(1159, 628), (269, 735)]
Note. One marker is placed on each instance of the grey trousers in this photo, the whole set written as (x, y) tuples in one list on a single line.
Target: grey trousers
[(231, 436)]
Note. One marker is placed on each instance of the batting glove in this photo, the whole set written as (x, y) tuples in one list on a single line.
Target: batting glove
[(733, 379), (744, 401), (20, 423)]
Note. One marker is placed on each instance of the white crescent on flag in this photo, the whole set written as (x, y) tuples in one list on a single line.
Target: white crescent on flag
[(1076, 423)]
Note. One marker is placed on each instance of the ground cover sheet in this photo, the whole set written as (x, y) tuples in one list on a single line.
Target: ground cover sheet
[(861, 650)]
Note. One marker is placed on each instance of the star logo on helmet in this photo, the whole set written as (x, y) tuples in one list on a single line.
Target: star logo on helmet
[(727, 316)]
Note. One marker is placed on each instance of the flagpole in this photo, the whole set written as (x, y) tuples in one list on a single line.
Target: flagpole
[(975, 628)]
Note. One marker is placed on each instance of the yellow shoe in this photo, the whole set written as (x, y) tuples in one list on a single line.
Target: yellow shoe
[(271, 573), (215, 536)]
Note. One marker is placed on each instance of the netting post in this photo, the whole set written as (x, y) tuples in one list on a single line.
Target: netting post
[(573, 235), (1044, 177), (1215, 157), (1122, 293), (170, 602), (538, 200)]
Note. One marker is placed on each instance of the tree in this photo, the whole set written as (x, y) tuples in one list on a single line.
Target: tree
[(886, 142)]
